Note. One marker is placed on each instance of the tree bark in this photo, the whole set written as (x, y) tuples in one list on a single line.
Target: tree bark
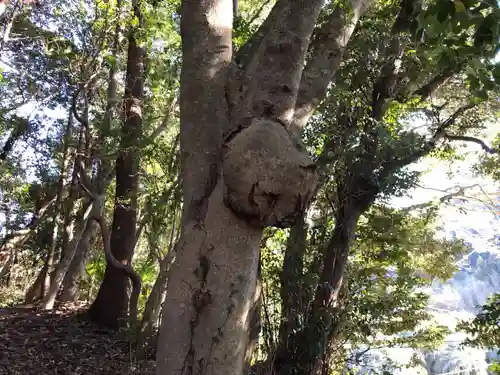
[(76, 270), (303, 351), (209, 286), (255, 325), (112, 301), (292, 298), (152, 311), (327, 51), (62, 267), (235, 185), (53, 255), (100, 181), (151, 315)]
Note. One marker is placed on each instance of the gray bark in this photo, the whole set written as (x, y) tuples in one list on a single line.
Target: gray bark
[(151, 315), (62, 267), (327, 51), (76, 270), (260, 180)]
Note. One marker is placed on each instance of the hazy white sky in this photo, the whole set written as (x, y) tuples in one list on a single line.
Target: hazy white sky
[(478, 223)]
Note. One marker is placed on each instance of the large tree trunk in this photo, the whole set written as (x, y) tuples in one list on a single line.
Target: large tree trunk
[(112, 301), (206, 314), (234, 185)]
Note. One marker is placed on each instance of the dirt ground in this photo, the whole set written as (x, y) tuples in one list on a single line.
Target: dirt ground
[(63, 342)]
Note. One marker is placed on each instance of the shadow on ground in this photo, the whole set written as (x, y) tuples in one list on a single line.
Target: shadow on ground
[(62, 342)]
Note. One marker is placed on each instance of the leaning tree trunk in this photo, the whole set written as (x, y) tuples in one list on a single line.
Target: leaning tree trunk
[(62, 268), (53, 255), (151, 315), (300, 352), (112, 301), (76, 270)]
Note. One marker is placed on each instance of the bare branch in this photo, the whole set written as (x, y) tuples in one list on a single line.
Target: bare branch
[(12, 239), (74, 104), (459, 192), (170, 108), (395, 164), (465, 138), (441, 130), (83, 179), (258, 13)]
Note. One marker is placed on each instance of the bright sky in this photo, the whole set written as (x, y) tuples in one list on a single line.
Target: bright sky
[(478, 224)]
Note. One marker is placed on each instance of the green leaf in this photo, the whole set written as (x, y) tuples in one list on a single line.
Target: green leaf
[(459, 6)]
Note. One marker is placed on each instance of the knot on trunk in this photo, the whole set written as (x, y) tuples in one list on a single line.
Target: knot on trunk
[(267, 180)]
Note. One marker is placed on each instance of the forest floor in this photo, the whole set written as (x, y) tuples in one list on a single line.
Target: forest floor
[(63, 342)]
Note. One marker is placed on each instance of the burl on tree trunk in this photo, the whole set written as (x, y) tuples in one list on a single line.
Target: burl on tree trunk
[(242, 171), (242, 167)]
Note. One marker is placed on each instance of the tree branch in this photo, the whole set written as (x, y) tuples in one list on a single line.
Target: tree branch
[(441, 130), (430, 87), (74, 102), (445, 198), (327, 51), (170, 108), (273, 75), (258, 13), (465, 138), (248, 50), (394, 164), (385, 88), (22, 26), (83, 179)]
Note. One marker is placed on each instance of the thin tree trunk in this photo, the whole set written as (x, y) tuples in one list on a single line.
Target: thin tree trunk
[(5, 269), (53, 255), (76, 270), (292, 298), (62, 267), (112, 301), (150, 317), (303, 349), (99, 183), (255, 325)]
